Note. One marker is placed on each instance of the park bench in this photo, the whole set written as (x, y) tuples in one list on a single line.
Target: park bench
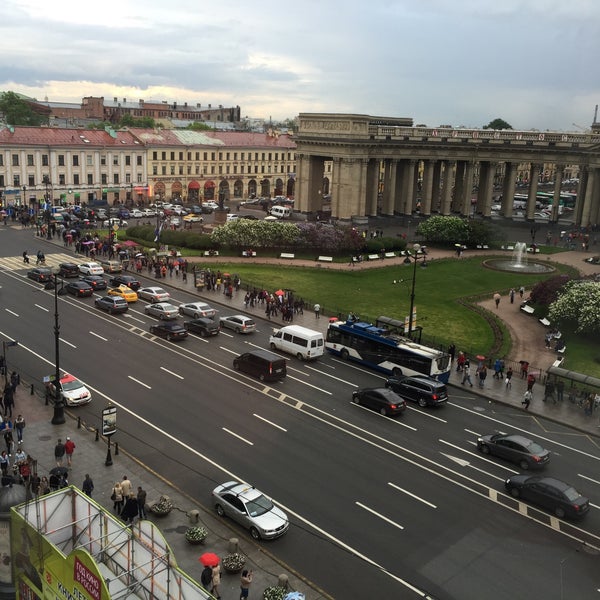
[(248, 253), (325, 259), (390, 255), (211, 253), (544, 322), (287, 255), (527, 309), (373, 257), (533, 250)]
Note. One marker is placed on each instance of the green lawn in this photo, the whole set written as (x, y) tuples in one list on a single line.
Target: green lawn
[(370, 293)]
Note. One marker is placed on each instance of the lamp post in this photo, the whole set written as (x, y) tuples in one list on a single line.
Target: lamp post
[(46, 182), (59, 410), (415, 257)]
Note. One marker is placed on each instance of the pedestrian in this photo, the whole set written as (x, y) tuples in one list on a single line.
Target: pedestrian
[(44, 486), (527, 398), (19, 426), (69, 449), (467, 373), (245, 581), (216, 581), (482, 373), (508, 379), (317, 309), (126, 487), (511, 295), (88, 485), (141, 502), (4, 463), (206, 577), (15, 380), (524, 368), (460, 361), (59, 453), (130, 510), (8, 440), (521, 292), (530, 381), (497, 369), (8, 400), (560, 389), (117, 498), (549, 391), (452, 352), (497, 297)]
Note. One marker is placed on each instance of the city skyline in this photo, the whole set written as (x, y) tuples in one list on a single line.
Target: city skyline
[(530, 62)]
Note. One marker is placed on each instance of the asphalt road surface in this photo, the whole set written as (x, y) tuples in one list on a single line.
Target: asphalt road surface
[(390, 508)]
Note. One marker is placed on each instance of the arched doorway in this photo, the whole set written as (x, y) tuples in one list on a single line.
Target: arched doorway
[(279, 187), (290, 188), (176, 190), (193, 191), (238, 189), (209, 190), (223, 191), (252, 188), (159, 190), (265, 188)]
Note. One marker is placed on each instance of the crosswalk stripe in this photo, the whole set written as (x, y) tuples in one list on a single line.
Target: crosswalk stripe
[(15, 263)]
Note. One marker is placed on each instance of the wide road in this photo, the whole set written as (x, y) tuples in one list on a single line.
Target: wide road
[(380, 507)]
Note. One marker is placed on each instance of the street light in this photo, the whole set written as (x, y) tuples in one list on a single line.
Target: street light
[(417, 248), (59, 409), (46, 182)]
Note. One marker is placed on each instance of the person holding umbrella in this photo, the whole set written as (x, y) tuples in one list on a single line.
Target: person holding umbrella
[(211, 575)]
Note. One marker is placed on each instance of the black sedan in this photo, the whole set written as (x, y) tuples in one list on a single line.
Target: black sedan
[(552, 494), (131, 282), (516, 448), (383, 400), (169, 331), (205, 327), (68, 269), (40, 274), (81, 289), (96, 281)]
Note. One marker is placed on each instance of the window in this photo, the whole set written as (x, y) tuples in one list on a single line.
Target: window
[(116, 178), (90, 179), (116, 160), (220, 156), (30, 160), (75, 160), (76, 179), (172, 155), (172, 169), (154, 170), (127, 178), (213, 155), (61, 160), (45, 162), (16, 181), (181, 156), (163, 169), (61, 179), (31, 181), (2, 161), (89, 160), (127, 160), (163, 156), (138, 162), (103, 159), (15, 160), (104, 179), (155, 155)]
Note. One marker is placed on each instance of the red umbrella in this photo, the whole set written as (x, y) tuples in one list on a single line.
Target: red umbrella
[(279, 293), (480, 357), (209, 559)]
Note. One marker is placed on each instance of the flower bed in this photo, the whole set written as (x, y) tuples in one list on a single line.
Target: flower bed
[(196, 535), (163, 507), (233, 563)]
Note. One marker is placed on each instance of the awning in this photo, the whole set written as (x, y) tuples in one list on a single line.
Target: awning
[(194, 185)]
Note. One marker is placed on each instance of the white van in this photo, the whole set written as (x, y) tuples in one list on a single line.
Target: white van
[(281, 212), (305, 343)]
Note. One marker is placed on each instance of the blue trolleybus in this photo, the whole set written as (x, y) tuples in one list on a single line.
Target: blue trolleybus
[(382, 347)]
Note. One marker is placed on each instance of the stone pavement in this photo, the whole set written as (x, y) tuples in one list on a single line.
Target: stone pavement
[(40, 436)]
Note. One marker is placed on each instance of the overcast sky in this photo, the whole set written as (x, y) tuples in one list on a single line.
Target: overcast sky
[(533, 63)]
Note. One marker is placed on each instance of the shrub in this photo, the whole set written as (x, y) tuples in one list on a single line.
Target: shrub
[(546, 292)]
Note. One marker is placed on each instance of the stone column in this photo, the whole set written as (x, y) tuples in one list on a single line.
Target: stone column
[(336, 191), (437, 183), (467, 210), (486, 188), (449, 172), (309, 183), (390, 174), (459, 186), (581, 195), (372, 187), (534, 177), (558, 176), (427, 190), (408, 187), (588, 200), (508, 189)]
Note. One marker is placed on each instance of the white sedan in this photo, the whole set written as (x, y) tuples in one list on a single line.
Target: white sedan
[(154, 294), (72, 391), (197, 310), (136, 213), (148, 212), (162, 310), (114, 221), (91, 268)]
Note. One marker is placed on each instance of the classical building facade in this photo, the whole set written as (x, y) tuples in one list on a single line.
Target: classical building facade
[(378, 165)]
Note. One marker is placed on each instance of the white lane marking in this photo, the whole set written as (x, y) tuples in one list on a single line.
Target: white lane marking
[(425, 413), (269, 422), (378, 515), (377, 414), (315, 387), (588, 478), (239, 437), (527, 433), (41, 307), (171, 373), (132, 318), (67, 343), (98, 336), (477, 455), (11, 312), (333, 377), (459, 461), (396, 487), (140, 382)]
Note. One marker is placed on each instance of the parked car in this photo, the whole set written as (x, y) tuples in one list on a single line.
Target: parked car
[(169, 331), (210, 204), (136, 213), (552, 494), (193, 218), (40, 274), (204, 326), (197, 310), (112, 304), (516, 448), (421, 389), (162, 310), (72, 391), (91, 268), (114, 221), (153, 294), (383, 400), (96, 281), (128, 280), (68, 269), (250, 508), (81, 289), (239, 323)]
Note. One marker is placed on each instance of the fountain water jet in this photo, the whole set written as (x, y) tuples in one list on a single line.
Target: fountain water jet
[(519, 262)]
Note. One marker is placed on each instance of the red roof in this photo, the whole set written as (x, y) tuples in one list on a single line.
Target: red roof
[(56, 137)]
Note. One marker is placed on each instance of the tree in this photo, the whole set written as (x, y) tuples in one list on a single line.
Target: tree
[(578, 305), (444, 230), (497, 124), (18, 111), (198, 126)]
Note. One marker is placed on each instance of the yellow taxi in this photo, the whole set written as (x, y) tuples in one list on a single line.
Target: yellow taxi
[(124, 292)]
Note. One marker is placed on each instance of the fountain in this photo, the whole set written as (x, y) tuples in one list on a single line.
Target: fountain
[(519, 262)]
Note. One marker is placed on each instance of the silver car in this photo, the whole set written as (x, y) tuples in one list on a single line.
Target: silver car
[(239, 323), (162, 310), (197, 310), (251, 509), (153, 294)]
